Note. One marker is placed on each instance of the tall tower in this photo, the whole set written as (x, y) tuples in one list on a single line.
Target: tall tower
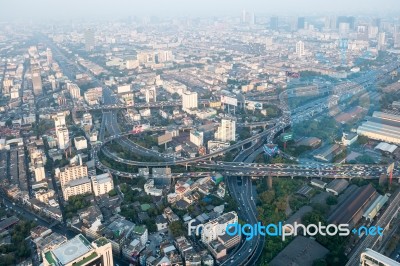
[(89, 39), (151, 94), (226, 131), (300, 49), (274, 23), (49, 55), (396, 36), (244, 16), (36, 82), (301, 22), (381, 41), (189, 100)]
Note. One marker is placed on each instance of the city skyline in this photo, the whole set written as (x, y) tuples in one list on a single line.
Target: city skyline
[(55, 10)]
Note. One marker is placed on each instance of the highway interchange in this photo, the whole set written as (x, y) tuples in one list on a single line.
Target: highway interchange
[(249, 251)]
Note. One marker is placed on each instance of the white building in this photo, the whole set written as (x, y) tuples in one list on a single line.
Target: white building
[(189, 100), (218, 226), (197, 138), (62, 137), (300, 49), (226, 131), (102, 184), (87, 119), (124, 88), (381, 41), (382, 126), (77, 187), (74, 90), (150, 189), (39, 173), (151, 94), (80, 143), (79, 251), (349, 138), (70, 173), (371, 257)]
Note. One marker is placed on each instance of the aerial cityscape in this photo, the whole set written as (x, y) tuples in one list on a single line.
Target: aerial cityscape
[(199, 133)]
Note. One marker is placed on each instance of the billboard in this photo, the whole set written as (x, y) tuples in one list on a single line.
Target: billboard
[(229, 100), (251, 105), (291, 74), (164, 138), (286, 136), (270, 149)]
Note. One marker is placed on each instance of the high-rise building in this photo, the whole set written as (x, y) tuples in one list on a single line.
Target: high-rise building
[(79, 251), (301, 22), (76, 187), (274, 23), (39, 173), (151, 94), (300, 49), (62, 137), (89, 39), (197, 138), (59, 120), (217, 226), (36, 82), (348, 20), (70, 173), (381, 41), (244, 16), (49, 56), (269, 43), (164, 56), (333, 23), (396, 36), (226, 131), (371, 257), (62, 132), (74, 90), (102, 184), (189, 100), (344, 28)]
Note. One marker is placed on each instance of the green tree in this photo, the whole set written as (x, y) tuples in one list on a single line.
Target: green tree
[(177, 228), (331, 200)]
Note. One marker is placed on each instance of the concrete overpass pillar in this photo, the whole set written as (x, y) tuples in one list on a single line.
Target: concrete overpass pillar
[(270, 182), (292, 177)]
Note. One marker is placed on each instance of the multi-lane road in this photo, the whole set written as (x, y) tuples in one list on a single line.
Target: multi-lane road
[(249, 251)]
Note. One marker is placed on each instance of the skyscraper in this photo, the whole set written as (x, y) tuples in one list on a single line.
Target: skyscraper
[(189, 100), (300, 49), (396, 36), (244, 16), (381, 41), (62, 132), (274, 23), (36, 82), (89, 39), (226, 131), (301, 22), (49, 55), (151, 94)]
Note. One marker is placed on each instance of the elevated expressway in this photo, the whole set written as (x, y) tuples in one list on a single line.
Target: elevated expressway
[(249, 252)]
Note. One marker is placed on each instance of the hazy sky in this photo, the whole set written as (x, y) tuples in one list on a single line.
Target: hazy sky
[(33, 9)]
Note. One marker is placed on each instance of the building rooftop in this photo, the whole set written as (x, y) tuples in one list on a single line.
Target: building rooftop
[(79, 181), (356, 202), (70, 251)]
